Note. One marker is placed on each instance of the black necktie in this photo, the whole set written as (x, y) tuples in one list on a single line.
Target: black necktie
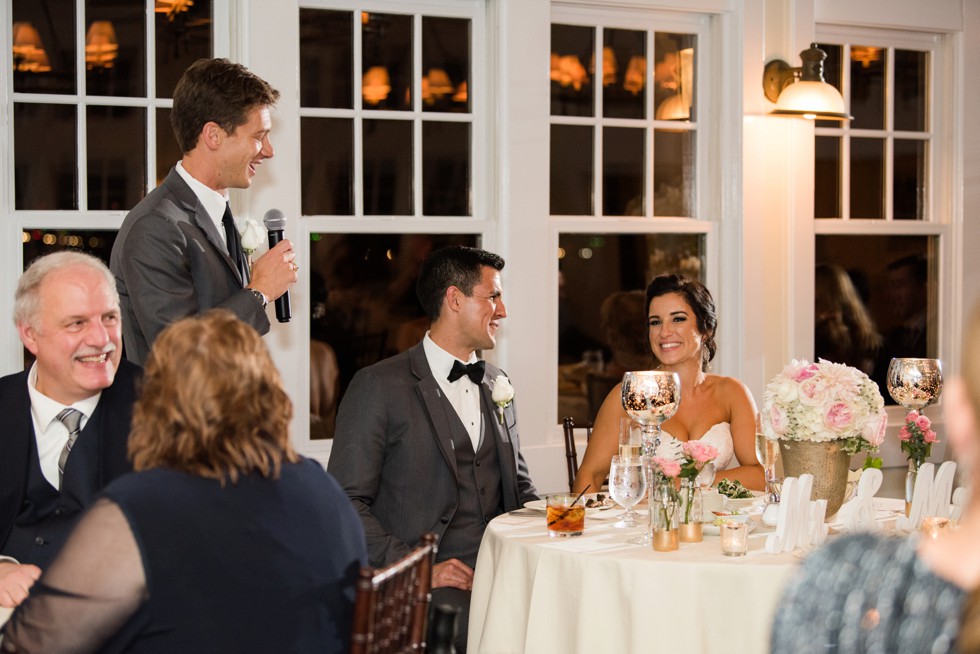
[(234, 241), (72, 419), (473, 370)]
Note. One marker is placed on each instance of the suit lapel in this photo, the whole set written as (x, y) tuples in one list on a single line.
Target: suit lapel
[(502, 440), (434, 403), (199, 217)]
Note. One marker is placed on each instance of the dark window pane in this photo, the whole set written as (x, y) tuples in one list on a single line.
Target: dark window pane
[(363, 307), (45, 156), (327, 164), (831, 74), (876, 298), (867, 87), (326, 58), (115, 47), (673, 77), (910, 180), (446, 83), (602, 308), (116, 157), (184, 34), (622, 171), (572, 49), (673, 173), (624, 73), (571, 170), (867, 178), (911, 79), (386, 61), (168, 152), (446, 178), (388, 168), (43, 46), (826, 187)]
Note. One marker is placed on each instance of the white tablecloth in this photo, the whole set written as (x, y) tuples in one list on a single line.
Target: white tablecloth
[(598, 593)]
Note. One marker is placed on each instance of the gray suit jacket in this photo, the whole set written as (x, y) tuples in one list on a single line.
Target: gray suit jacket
[(170, 262), (393, 455)]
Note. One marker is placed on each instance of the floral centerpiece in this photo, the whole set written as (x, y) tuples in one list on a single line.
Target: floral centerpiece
[(917, 438), (695, 455), (823, 413)]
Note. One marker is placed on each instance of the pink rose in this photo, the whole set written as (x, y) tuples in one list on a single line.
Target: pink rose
[(912, 416), (923, 423), (930, 436), (903, 433), (874, 428), (806, 372), (700, 452), (668, 467), (839, 416), (778, 420)]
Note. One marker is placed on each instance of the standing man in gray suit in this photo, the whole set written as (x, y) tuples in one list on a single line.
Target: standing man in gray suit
[(179, 251), (421, 445)]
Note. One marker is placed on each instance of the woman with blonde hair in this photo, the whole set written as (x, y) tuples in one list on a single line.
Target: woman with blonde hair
[(224, 540), (878, 593)]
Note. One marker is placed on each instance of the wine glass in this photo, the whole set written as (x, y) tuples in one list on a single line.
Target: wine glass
[(767, 451), (651, 397), (915, 383), (627, 485)]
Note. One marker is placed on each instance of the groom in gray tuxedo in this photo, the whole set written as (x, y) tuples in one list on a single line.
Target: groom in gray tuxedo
[(179, 250), (421, 446)]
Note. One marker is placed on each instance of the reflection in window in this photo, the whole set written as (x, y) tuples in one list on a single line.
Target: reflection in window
[(45, 160), (326, 58), (571, 170), (445, 64), (115, 48), (116, 157), (386, 64), (363, 306), (867, 178), (388, 167), (572, 49), (867, 87), (622, 171), (43, 35), (446, 169), (327, 155), (183, 35), (624, 73), (673, 173), (875, 299), (673, 77), (602, 308)]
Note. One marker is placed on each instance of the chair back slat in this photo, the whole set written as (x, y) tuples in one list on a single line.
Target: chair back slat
[(392, 604), (571, 454)]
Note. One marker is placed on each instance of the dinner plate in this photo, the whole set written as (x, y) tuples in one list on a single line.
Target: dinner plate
[(744, 502), (542, 506), (715, 530)]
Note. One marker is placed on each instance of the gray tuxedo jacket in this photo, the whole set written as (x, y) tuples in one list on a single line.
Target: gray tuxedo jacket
[(393, 455), (170, 262)]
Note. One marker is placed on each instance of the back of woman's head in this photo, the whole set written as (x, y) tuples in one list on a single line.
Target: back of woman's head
[(698, 298), (212, 402)]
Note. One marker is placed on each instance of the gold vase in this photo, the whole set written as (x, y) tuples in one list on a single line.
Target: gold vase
[(828, 464)]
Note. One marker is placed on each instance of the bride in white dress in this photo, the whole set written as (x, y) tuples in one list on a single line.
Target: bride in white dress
[(716, 409)]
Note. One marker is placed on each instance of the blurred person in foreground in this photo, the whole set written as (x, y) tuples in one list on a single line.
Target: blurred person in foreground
[(224, 540), (718, 410), (179, 251), (427, 440), (881, 593), (66, 418)]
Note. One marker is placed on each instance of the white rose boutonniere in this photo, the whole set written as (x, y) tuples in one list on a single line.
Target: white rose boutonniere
[(502, 394), (251, 239)]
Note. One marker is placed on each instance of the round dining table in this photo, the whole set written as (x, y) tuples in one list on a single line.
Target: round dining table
[(599, 593)]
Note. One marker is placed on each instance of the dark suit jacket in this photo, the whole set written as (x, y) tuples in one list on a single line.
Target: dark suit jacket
[(110, 423), (393, 455), (171, 262)]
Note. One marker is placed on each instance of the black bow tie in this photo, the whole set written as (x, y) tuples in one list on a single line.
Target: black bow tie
[(473, 370)]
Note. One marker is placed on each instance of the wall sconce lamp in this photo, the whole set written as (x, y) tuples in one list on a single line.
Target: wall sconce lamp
[(810, 96)]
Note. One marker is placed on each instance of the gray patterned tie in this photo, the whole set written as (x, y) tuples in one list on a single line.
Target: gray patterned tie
[(72, 419)]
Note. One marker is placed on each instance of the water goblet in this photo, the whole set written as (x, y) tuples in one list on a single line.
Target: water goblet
[(651, 397), (627, 485), (915, 383)]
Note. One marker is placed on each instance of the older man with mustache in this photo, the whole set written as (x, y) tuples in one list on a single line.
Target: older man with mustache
[(66, 418)]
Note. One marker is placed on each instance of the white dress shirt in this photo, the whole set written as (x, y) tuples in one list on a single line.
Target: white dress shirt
[(50, 433), (463, 394), (212, 201)]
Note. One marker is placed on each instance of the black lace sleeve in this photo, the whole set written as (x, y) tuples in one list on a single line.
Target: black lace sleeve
[(88, 593)]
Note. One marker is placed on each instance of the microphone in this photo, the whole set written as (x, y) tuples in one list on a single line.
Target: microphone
[(275, 222)]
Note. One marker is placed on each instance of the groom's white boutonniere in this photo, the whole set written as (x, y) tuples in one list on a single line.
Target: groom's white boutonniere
[(502, 394), (251, 239)]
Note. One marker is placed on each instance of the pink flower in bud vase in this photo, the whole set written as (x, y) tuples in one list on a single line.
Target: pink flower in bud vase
[(923, 423), (912, 416), (929, 436), (668, 467), (903, 433)]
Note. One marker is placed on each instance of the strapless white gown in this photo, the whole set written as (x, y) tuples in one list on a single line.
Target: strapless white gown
[(720, 435)]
